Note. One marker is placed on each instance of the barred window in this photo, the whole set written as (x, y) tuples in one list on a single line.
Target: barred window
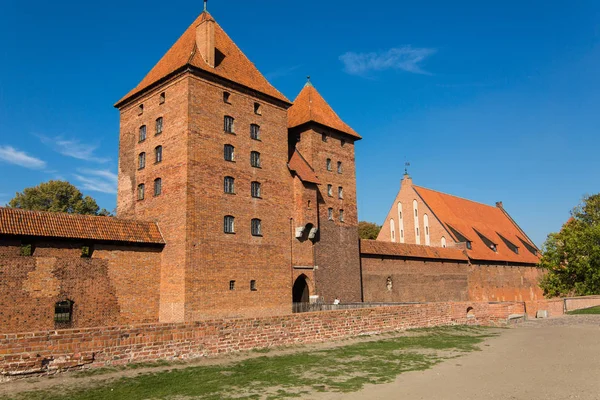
[(229, 184), (329, 190), (339, 167), (329, 164), (340, 192), (341, 215), (157, 186), (141, 188), (159, 125), (253, 285), (158, 154), (255, 159), (142, 133), (229, 226), (330, 214), (229, 152), (141, 160), (255, 189), (256, 227), (161, 99), (228, 124), (255, 132), (63, 311)]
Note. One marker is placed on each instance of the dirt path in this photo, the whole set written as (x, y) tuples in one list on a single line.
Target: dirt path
[(542, 359)]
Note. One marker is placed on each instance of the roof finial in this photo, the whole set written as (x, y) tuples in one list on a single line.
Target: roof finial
[(406, 165), (205, 4), (308, 82)]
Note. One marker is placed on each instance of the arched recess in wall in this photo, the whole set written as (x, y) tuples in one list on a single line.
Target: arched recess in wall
[(426, 227), (443, 241), (400, 222), (416, 219), (392, 230), (300, 292)]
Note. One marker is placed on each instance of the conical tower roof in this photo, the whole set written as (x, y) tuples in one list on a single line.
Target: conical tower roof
[(230, 62), (310, 106)]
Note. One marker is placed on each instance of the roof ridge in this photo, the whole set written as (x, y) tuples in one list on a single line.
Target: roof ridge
[(458, 197), (72, 215)]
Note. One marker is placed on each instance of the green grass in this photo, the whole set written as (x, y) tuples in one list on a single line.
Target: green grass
[(342, 369), (591, 310)]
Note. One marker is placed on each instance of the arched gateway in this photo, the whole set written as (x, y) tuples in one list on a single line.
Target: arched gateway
[(300, 292)]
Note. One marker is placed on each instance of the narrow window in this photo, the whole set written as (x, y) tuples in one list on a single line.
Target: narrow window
[(341, 215), (426, 224), (257, 108), (228, 124), (229, 184), (141, 191), (157, 154), (255, 189), (231, 285), (226, 96), (328, 164), (400, 222), (342, 142), (443, 241), (255, 132), (256, 227), (229, 152), (159, 125), (142, 161), (142, 133), (329, 190), (140, 109), (330, 214), (416, 222), (253, 285), (63, 312), (402, 234), (469, 246), (228, 224), (340, 192), (157, 186), (308, 204), (161, 99), (392, 230), (324, 137), (255, 159), (339, 167)]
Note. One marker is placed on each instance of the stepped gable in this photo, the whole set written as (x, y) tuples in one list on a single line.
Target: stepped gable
[(230, 62), (310, 106), (302, 168), (375, 247), (473, 220), (19, 222)]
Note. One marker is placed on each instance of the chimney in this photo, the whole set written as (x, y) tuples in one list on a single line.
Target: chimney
[(499, 204), (205, 39)]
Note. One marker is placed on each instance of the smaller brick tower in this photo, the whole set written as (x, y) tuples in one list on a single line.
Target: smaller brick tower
[(322, 149)]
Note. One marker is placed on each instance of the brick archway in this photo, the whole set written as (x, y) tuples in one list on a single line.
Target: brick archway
[(300, 290)]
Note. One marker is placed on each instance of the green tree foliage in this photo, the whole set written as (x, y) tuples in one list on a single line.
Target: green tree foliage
[(368, 230), (572, 256), (56, 196)]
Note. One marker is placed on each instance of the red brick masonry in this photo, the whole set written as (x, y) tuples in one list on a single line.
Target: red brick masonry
[(55, 351)]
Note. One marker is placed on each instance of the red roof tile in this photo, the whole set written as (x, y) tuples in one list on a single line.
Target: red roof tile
[(301, 167), (472, 219), (14, 221), (310, 106), (376, 247), (235, 66)]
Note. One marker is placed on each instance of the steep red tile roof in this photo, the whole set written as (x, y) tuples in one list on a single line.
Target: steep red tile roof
[(301, 167), (61, 225), (310, 106), (235, 66), (376, 247), (472, 219)]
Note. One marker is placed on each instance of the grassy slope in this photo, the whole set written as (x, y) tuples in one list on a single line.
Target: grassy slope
[(591, 310)]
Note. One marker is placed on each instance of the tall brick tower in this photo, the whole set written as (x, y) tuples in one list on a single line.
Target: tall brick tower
[(322, 140), (204, 152)]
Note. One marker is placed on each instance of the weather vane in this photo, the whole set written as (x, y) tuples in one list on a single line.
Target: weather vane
[(406, 165), (205, 3)]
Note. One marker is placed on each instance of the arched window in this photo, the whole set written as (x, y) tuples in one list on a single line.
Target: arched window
[(255, 159), (228, 124), (158, 154), (157, 187), (142, 161), (141, 190), (159, 125), (341, 215), (443, 241), (330, 214), (426, 223), (328, 164), (229, 184), (416, 220), (339, 167), (228, 224), (142, 133), (392, 230), (229, 152), (255, 189), (400, 222), (256, 227), (254, 132)]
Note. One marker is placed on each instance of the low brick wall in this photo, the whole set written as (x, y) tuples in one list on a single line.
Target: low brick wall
[(47, 352), (557, 307)]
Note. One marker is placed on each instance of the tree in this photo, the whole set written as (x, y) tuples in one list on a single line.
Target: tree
[(572, 256), (368, 230), (57, 196)]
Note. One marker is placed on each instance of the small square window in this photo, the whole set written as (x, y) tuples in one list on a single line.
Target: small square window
[(63, 312), (257, 108), (140, 109), (86, 251), (161, 98), (231, 285), (27, 249), (253, 285)]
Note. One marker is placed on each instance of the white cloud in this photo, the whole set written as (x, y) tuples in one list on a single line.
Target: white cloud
[(97, 180), (13, 156), (73, 148), (404, 58)]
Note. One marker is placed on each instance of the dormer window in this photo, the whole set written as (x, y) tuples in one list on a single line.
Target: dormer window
[(469, 246), (257, 108), (226, 96)]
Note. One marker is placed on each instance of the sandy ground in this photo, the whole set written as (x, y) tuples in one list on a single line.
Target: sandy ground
[(542, 359)]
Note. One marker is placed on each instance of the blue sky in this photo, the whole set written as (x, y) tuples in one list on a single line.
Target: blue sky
[(488, 102)]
